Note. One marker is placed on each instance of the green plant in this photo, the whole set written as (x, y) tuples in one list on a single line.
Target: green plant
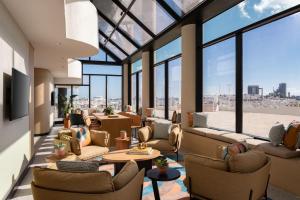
[(68, 105), (109, 110), (161, 161), (59, 145)]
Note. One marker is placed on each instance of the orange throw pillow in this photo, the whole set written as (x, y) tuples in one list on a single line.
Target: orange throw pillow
[(82, 134), (290, 138)]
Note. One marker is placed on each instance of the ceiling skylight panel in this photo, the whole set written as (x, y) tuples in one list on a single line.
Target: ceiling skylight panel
[(123, 42), (152, 15), (182, 7), (109, 9), (104, 26), (116, 51), (134, 31)]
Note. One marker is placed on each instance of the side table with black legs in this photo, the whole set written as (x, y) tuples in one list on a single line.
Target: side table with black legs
[(154, 175)]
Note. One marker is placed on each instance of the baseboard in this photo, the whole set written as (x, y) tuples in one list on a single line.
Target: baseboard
[(12, 190)]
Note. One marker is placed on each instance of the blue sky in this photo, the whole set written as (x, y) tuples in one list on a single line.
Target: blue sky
[(270, 53)]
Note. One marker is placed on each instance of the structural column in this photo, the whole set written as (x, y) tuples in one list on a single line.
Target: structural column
[(188, 91), (125, 84), (146, 80)]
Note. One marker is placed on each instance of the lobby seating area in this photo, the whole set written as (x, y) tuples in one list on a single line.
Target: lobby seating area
[(149, 100)]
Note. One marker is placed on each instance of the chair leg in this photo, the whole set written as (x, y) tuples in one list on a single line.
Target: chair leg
[(177, 156), (141, 195), (250, 194)]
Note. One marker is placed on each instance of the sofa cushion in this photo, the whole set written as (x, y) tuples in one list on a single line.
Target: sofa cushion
[(247, 162), (100, 138), (127, 173), (253, 143), (82, 134), (77, 166), (234, 137), (205, 161), (200, 120), (145, 134), (276, 134), (214, 134), (89, 152), (198, 131), (161, 129), (280, 151), (83, 182), (160, 144)]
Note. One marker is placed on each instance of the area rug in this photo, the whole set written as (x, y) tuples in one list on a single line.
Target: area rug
[(171, 190)]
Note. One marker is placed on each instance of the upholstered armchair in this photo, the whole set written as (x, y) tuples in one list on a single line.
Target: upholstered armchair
[(170, 144), (51, 184), (210, 178)]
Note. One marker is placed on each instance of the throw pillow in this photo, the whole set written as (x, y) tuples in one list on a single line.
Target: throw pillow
[(149, 112), (225, 152), (290, 138), (276, 134), (77, 166), (127, 173), (162, 129), (190, 119), (75, 146), (247, 162), (173, 137), (100, 138), (82, 134), (174, 116), (200, 120)]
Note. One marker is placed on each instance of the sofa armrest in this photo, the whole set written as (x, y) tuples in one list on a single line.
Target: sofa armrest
[(145, 134), (100, 138)]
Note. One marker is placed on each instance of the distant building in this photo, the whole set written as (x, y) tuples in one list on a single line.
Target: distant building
[(281, 91), (253, 89)]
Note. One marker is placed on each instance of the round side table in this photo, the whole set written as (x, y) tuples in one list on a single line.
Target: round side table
[(154, 175)]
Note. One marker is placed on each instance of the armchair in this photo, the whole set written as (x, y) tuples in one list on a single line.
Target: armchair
[(172, 144), (210, 178), (51, 184)]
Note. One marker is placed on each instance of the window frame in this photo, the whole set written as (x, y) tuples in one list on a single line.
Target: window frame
[(238, 35)]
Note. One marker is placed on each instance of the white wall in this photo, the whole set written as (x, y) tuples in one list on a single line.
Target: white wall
[(16, 136)]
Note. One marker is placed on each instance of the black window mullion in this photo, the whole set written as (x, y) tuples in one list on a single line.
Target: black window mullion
[(106, 91), (89, 91), (199, 68), (166, 90), (151, 80), (137, 91), (129, 83), (239, 82)]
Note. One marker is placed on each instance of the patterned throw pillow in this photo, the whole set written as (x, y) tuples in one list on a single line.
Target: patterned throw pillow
[(82, 134), (225, 152), (200, 120), (77, 166), (75, 146)]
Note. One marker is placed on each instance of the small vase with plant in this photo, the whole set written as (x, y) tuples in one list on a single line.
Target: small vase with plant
[(59, 149), (162, 164), (108, 111)]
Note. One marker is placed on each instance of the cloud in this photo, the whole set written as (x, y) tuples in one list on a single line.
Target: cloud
[(242, 7), (274, 6)]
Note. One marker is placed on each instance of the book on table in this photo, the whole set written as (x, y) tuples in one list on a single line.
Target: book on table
[(138, 151)]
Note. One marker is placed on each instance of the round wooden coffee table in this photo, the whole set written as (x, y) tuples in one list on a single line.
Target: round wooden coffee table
[(120, 157)]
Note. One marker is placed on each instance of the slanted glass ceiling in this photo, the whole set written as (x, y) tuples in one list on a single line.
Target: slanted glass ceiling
[(127, 25)]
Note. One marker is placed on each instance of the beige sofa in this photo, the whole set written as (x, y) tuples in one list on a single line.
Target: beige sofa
[(285, 166), (208, 178), (50, 184), (172, 144)]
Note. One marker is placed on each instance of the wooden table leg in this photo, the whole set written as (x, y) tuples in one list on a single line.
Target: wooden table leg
[(155, 190)]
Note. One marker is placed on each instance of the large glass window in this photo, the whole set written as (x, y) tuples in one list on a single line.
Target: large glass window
[(114, 92), (81, 101), (140, 78), (98, 93), (102, 69), (169, 50), (133, 92), (219, 84), (241, 15), (271, 87), (174, 86), (159, 91)]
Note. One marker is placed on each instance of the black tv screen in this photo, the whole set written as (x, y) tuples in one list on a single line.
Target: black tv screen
[(19, 104)]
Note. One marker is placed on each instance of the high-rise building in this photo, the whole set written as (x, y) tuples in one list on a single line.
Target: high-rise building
[(253, 89), (282, 90)]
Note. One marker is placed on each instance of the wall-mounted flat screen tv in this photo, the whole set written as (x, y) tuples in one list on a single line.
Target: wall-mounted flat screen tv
[(19, 94)]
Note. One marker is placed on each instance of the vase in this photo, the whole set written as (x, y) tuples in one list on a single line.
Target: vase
[(67, 122), (163, 170), (60, 152)]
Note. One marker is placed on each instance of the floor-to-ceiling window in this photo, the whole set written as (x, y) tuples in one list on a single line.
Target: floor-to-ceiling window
[(167, 79), (250, 67), (101, 85), (136, 85), (219, 84)]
